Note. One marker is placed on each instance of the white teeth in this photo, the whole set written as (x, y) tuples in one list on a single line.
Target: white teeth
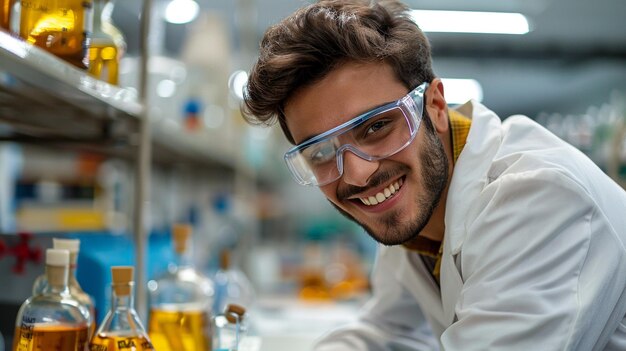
[(382, 196)]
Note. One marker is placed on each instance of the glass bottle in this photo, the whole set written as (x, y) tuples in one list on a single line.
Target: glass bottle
[(231, 285), (107, 44), (61, 27), (229, 328), (71, 245), (6, 7), (180, 302), (52, 320), (121, 329)]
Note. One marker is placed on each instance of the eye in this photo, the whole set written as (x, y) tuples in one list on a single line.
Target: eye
[(377, 126)]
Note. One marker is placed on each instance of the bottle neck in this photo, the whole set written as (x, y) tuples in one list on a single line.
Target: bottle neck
[(101, 12), (182, 259), (122, 296), (57, 277)]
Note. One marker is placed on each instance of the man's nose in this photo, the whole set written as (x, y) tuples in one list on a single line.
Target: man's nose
[(357, 171)]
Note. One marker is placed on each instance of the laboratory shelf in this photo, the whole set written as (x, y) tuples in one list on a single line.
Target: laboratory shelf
[(43, 98), (46, 101)]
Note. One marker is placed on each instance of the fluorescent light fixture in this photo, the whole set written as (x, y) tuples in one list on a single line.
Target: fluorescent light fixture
[(470, 22), (181, 11), (459, 91)]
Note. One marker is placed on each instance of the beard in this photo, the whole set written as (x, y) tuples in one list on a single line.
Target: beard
[(433, 177)]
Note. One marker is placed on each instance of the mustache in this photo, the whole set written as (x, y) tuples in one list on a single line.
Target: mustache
[(376, 180)]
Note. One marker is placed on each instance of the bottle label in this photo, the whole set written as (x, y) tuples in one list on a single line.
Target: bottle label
[(26, 333)]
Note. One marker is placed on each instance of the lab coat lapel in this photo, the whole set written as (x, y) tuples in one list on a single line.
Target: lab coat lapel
[(469, 178)]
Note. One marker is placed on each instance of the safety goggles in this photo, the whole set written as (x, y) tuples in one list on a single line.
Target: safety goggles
[(373, 135)]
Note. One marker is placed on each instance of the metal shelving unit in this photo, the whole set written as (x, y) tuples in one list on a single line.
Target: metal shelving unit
[(44, 99)]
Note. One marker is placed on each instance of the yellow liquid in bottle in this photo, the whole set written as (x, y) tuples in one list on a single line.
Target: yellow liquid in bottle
[(58, 26), (179, 331), (103, 61), (49, 338), (113, 342)]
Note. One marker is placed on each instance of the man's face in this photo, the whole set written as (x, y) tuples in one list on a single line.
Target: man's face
[(407, 186)]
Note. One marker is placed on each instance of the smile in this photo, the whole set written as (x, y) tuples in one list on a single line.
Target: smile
[(382, 196)]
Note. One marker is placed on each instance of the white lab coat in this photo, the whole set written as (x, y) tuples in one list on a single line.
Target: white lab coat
[(533, 256)]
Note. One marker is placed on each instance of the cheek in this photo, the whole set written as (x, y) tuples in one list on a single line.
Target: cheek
[(330, 191)]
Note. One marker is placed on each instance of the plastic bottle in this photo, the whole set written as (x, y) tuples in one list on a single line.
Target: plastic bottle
[(71, 245), (230, 328), (52, 320), (121, 329), (107, 44), (180, 302), (61, 27)]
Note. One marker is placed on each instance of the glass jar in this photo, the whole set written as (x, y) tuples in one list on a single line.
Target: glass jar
[(61, 27)]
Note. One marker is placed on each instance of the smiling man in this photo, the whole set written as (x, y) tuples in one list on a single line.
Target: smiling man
[(496, 235)]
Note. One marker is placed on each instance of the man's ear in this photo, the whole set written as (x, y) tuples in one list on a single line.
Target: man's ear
[(435, 103)]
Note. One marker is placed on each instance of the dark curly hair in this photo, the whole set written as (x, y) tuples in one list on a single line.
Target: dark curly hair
[(304, 47)]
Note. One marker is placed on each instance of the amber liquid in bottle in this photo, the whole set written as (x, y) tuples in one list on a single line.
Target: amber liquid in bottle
[(179, 330), (49, 338), (103, 61), (60, 27), (5, 12), (117, 342)]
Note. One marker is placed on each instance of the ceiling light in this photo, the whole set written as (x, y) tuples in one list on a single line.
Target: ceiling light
[(181, 11), (470, 22), (459, 91)]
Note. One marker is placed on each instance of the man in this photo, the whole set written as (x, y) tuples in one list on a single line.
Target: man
[(496, 235)]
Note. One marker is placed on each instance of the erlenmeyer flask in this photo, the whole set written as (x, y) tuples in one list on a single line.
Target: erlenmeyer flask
[(121, 329)]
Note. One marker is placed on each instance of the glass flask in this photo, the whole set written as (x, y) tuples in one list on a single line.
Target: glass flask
[(180, 302), (231, 285), (52, 320), (61, 27), (6, 6), (229, 328), (107, 44), (121, 329), (71, 245)]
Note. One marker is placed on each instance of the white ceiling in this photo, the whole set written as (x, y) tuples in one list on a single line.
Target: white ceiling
[(574, 56)]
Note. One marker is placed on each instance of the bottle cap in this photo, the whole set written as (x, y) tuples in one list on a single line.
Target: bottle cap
[(225, 259), (71, 245), (180, 233), (122, 279), (57, 257), (234, 309)]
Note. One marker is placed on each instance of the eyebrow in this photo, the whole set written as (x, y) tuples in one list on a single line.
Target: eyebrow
[(357, 116)]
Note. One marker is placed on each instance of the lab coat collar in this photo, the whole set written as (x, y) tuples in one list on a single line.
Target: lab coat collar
[(469, 177)]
